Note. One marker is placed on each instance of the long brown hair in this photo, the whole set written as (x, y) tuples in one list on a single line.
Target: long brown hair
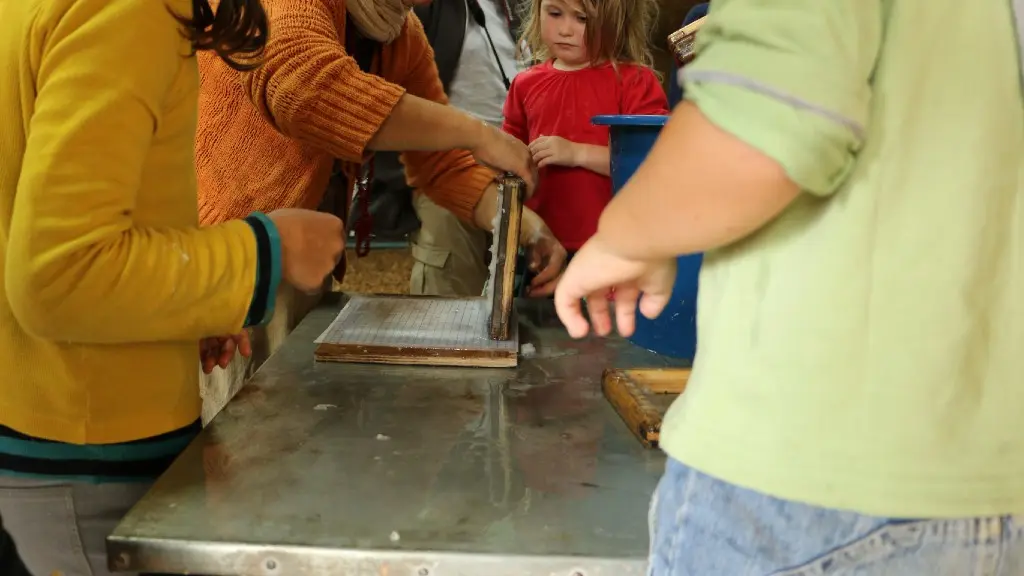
[(236, 31), (617, 30)]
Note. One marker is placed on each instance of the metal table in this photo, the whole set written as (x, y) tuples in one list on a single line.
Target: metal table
[(349, 469)]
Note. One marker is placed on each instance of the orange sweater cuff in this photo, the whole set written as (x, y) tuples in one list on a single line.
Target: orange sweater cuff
[(345, 120)]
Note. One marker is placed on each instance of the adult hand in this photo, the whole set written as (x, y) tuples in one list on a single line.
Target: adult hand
[(312, 244), (594, 272), (505, 153), (219, 350), (545, 255), (554, 151)]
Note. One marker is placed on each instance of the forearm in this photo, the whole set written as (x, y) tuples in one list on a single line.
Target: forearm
[(486, 208), (418, 124), (594, 158), (699, 188), (484, 217), (139, 285)]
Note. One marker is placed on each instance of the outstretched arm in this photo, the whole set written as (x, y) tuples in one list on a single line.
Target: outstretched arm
[(78, 266)]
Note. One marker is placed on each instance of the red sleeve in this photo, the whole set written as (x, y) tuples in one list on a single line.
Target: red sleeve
[(642, 93), (515, 114)]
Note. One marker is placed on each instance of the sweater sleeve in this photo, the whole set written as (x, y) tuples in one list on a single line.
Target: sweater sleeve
[(310, 89), (77, 267), (453, 179), (791, 78)]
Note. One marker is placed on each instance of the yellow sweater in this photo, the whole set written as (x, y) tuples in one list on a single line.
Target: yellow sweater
[(107, 281)]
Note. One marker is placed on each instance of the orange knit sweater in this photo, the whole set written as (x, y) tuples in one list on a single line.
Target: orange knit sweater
[(268, 138)]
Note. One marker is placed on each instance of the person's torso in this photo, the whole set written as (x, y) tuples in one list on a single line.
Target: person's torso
[(477, 86), (92, 393), (865, 351), (560, 103), (245, 163)]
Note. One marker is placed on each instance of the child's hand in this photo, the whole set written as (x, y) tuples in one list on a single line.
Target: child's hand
[(219, 350), (594, 272), (554, 151)]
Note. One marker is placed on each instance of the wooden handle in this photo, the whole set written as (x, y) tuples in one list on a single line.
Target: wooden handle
[(681, 42), (506, 233)]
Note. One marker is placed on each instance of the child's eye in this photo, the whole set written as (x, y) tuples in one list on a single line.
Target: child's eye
[(581, 19), (553, 12)]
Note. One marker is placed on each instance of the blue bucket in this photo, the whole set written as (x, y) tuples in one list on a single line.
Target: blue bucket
[(674, 332)]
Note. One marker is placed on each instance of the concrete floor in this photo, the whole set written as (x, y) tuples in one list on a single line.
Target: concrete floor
[(382, 271)]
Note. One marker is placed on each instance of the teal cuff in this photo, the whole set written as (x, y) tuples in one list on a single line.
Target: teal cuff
[(267, 281)]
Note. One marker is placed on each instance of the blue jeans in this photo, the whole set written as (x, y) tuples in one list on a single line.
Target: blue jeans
[(701, 526)]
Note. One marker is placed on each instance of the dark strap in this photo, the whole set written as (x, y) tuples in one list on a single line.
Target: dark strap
[(359, 47), (363, 50)]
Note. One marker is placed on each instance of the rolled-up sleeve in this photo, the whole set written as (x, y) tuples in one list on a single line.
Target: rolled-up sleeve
[(791, 78)]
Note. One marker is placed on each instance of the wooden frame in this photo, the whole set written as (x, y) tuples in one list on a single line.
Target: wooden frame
[(422, 344), (505, 251), (681, 42), (635, 396)]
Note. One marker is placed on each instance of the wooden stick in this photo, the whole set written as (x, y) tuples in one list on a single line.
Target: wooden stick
[(510, 189)]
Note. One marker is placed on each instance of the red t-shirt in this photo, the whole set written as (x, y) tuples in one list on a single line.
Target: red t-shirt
[(545, 101)]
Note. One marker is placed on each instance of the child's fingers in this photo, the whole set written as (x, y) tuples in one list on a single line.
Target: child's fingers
[(569, 307), (227, 352), (599, 312), (208, 361), (652, 304), (625, 310), (243, 344)]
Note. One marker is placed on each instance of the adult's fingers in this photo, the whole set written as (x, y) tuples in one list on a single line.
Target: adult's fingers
[(545, 289), (553, 268)]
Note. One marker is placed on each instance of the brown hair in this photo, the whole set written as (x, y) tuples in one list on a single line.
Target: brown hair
[(236, 31), (617, 30)]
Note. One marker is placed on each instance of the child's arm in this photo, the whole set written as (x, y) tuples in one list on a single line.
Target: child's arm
[(778, 100), (699, 188), (557, 151)]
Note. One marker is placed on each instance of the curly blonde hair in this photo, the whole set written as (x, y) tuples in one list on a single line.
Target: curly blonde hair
[(617, 30)]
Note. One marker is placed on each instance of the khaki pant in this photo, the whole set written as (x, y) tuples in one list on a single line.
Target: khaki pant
[(61, 527), (220, 386), (450, 255)]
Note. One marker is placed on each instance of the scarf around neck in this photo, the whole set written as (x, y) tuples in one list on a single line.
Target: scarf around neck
[(379, 20)]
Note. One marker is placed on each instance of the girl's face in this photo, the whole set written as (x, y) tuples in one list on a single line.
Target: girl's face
[(563, 29)]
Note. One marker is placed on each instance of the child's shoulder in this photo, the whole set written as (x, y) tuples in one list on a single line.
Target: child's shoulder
[(631, 71), (535, 72)]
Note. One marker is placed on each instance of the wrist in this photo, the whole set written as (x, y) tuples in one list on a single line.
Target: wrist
[(268, 269), (577, 154), (476, 132), (531, 228)]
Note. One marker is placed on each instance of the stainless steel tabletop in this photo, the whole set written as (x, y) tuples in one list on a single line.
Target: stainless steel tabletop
[(351, 469)]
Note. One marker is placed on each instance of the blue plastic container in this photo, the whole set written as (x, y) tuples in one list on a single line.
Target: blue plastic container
[(674, 332)]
